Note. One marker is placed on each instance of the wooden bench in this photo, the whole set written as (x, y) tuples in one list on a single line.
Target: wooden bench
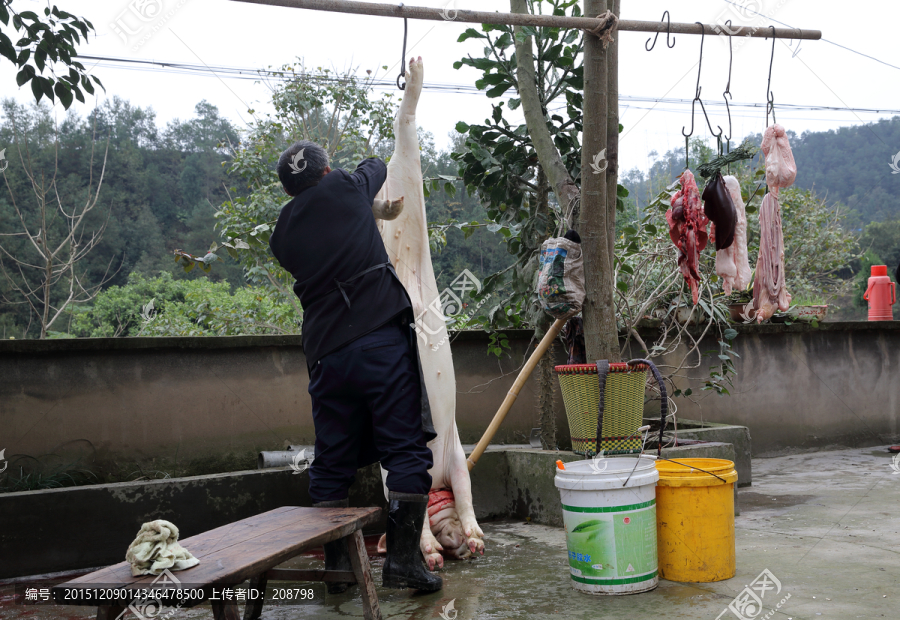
[(231, 554)]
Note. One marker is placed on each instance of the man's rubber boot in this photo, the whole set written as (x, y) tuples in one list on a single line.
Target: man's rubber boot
[(337, 553), (404, 566)]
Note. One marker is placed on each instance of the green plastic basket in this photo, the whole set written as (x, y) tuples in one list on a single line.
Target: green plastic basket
[(623, 407)]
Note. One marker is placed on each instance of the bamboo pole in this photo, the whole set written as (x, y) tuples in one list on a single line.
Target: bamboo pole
[(513, 393), (446, 13)]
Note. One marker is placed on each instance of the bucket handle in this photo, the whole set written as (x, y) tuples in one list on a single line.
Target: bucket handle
[(695, 468), (603, 372)]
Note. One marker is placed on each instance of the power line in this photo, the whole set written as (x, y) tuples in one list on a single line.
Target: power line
[(823, 39), (721, 104), (247, 73), (756, 116)]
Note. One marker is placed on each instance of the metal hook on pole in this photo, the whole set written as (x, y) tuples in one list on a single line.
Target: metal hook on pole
[(727, 94), (668, 21), (799, 43), (770, 96), (697, 98), (403, 57)]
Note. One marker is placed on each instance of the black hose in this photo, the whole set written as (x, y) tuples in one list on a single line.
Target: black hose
[(664, 400)]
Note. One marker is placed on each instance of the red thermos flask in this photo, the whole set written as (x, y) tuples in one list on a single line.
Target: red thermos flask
[(881, 294)]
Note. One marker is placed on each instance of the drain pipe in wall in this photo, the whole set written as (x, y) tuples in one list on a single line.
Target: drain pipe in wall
[(284, 458)]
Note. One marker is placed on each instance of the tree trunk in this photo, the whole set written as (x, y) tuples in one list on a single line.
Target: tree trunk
[(547, 383), (551, 162), (597, 224)]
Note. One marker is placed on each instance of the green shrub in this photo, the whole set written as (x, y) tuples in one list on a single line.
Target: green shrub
[(164, 306)]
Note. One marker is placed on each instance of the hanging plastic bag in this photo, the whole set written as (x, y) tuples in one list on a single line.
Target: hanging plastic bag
[(560, 285)]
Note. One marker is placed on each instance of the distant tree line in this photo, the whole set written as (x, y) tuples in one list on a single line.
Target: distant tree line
[(164, 184), (851, 169), (161, 189)]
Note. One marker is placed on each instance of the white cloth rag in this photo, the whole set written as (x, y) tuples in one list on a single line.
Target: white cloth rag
[(156, 549)]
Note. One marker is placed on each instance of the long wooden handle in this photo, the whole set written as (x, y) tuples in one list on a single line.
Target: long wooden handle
[(513, 393)]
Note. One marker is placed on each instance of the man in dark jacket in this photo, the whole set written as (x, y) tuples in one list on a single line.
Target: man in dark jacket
[(364, 374)]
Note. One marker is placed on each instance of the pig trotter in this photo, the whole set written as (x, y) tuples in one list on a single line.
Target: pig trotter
[(431, 549), (387, 209)]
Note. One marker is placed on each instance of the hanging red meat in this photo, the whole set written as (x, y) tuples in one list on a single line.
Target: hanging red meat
[(769, 291), (719, 208), (687, 228)]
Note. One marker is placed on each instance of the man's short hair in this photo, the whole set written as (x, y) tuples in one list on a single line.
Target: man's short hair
[(301, 166)]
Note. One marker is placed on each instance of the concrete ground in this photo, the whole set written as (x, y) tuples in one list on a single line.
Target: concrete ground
[(826, 525)]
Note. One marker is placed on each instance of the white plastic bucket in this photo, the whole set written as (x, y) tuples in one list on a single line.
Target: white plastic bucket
[(610, 528)]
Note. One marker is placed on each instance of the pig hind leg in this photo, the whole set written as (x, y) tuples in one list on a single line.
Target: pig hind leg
[(462, 494)]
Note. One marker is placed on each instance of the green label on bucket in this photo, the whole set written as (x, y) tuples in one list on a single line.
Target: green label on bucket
[(605, 547)]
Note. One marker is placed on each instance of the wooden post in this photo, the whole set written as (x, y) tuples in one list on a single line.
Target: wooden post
[(600, 334), (612, 150)]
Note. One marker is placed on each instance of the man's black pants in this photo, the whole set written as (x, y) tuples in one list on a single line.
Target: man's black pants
[(366, 408)]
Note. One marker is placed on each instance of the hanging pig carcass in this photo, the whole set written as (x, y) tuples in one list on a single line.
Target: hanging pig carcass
[(451, 526)]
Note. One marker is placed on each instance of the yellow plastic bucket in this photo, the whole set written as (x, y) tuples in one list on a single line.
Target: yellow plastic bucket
[(695, 519)]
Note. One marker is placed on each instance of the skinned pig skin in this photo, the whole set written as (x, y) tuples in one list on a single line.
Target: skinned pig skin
[(781, 170), (769, 291), (733, 263), (687, 229), (725, 266), (452, 529)]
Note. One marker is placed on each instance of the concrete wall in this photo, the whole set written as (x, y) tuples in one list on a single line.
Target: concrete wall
[(169, 399), (800, 387), (85, 527), (179, 398)]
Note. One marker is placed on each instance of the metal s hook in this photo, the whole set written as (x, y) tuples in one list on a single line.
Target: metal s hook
[(403, 57), (727, 94), (697, 96), (668, 21), (770, 96), (697, 91), (799, 43)]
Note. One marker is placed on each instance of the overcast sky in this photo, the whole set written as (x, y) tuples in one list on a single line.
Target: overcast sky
[(236, 34)]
